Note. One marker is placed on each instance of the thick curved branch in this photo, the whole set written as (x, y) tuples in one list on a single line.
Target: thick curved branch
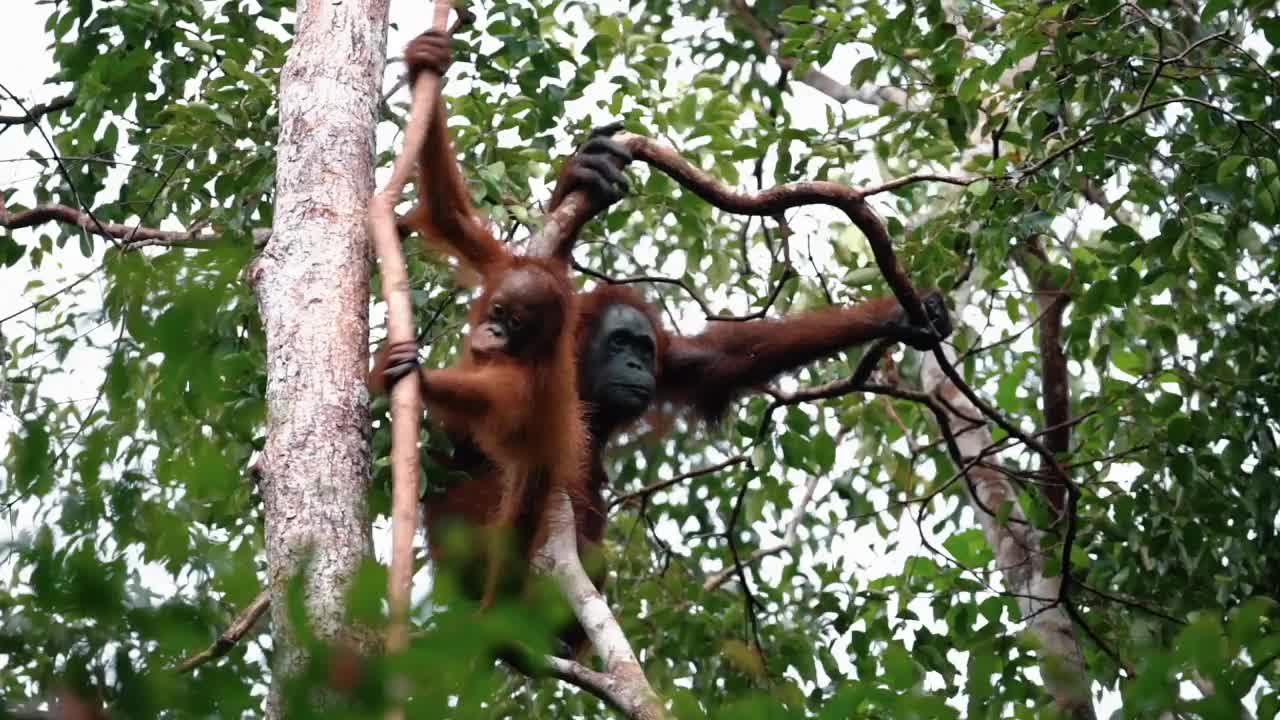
[(577, 209), (784, 197), (626, 686)]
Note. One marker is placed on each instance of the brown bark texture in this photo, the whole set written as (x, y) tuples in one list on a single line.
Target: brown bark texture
[(312, 284)]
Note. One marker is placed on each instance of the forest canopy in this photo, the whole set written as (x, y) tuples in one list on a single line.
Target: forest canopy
[(1070, 507)]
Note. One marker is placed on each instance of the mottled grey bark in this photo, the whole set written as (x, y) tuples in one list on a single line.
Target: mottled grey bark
[(1016, 545), (312, 283)]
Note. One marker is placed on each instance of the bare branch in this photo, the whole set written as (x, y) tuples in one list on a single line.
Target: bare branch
[(901, 182), (238, 628), (133, 236), (648, 490), (35, 112), (558, 558), (406, 395), (604, 686), (801, 511)]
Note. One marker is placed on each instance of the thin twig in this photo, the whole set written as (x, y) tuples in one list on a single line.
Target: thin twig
[(1089, 136), (38, 111), (749, 598), (648, 490), (53, 295), (238, 628), (788, 537), (709, 314)]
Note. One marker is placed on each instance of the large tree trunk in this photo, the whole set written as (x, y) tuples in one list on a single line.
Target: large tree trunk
[(312, 282)]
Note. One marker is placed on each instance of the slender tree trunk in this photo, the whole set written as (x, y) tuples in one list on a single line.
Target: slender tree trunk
[(1017, 554), (312, 282)]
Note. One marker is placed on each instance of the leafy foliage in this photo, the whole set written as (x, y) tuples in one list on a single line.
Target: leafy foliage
[(1137, 142)]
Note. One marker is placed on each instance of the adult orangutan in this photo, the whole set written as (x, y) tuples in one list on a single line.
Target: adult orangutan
[(628, 361)]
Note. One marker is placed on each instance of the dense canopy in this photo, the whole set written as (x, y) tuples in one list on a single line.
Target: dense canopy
[(1092, 185)]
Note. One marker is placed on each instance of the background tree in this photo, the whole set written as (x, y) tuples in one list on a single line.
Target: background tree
[(1094, 183)]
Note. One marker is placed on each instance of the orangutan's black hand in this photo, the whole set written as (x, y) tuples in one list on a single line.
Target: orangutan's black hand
[(432, 51), (597, 167), (402, 360), (935, 308), (606, 131)]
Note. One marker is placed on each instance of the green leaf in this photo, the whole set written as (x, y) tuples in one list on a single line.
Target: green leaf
[(795, 450), (1266, 200), (1121, 235), (32, 455), (1228, 169), (969, 548), (1212, 8), (1003, 512), (1209, 237), (900, 670), (1129, 361), (824, 451), (797, 14), (1127, 284), (862, 276), (957, 122), (1180, 430)]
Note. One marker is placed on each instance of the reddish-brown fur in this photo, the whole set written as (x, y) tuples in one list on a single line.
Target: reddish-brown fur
[(705, 372), (518, 405)]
